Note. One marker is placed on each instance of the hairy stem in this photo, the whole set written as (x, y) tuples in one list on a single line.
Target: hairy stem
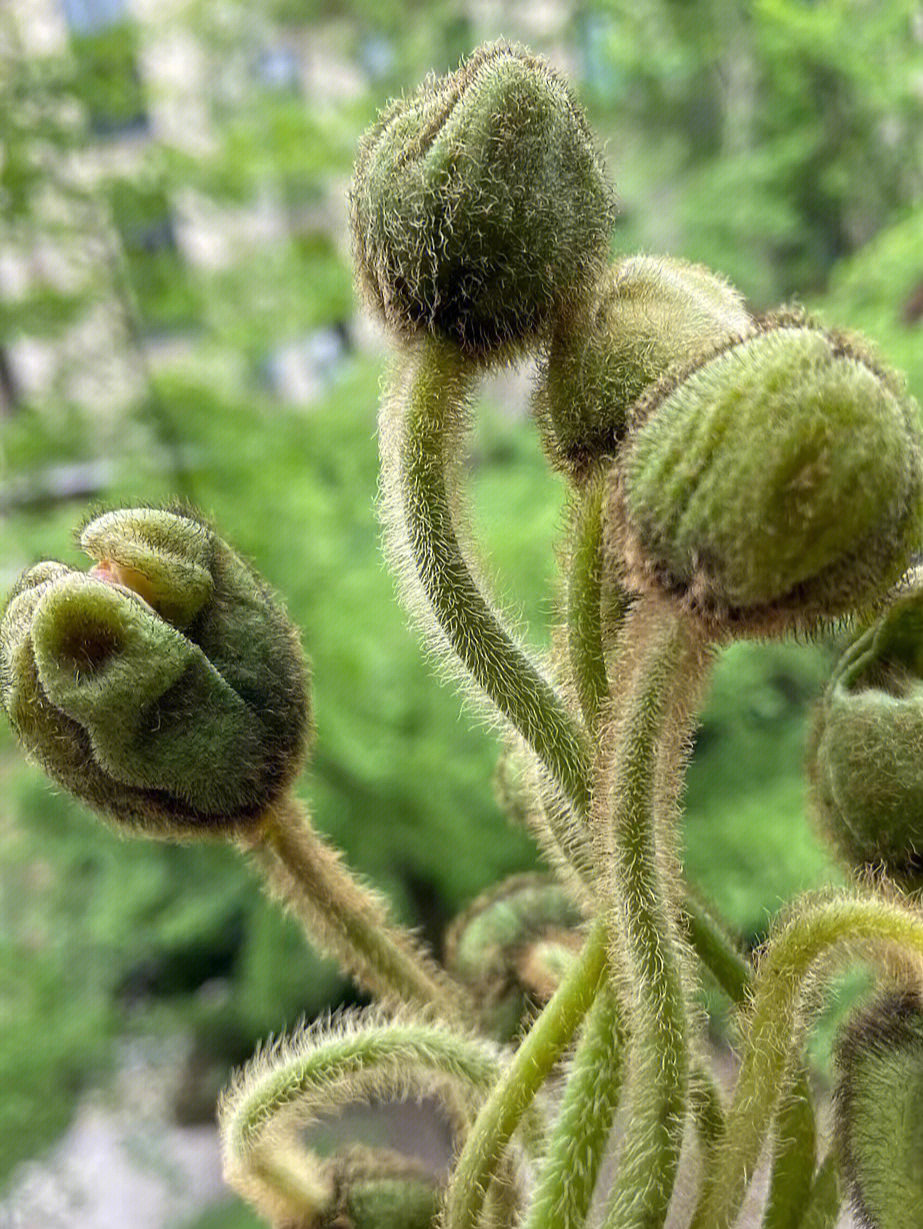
[(715, 948), (793, 1163), (823, 1207), (514, 1092), (794, 1158), (775, 1027), (424, 421), (707, 936), (422, 430), (363, 1058), (584, 596), (344, 918), (646, 945), (578, 1140), (707, 1108)]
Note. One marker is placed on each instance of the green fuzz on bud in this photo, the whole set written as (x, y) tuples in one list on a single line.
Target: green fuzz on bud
[(165, 688), (512, 946), (647, 314), (776, 485), (380, 1189), (866, 753), (480, 208), (879, 1112)]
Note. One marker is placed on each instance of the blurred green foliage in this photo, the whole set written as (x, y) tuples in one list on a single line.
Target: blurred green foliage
[(769, 139), (879, 291), (779, 142)]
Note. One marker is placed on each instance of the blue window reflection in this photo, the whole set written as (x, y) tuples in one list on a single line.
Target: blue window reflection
[(87, 16)]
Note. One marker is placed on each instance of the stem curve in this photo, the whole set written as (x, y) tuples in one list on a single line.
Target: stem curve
[(775, 1025), (346, 919), (424, 419)]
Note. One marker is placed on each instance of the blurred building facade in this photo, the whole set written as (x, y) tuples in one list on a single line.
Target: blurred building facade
[(125, 241)]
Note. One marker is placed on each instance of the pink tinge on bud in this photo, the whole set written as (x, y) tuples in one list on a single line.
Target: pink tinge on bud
[(125, 577)]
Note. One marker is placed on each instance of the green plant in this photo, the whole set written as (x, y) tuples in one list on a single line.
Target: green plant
[(730, 478)]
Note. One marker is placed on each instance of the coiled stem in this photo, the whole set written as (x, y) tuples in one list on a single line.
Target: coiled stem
[(362, 1057)]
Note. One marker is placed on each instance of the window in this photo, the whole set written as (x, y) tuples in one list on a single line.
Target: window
[(157, 272), (103, 39)]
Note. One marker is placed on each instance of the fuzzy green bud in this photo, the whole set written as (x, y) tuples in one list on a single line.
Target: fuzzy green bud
[(879, 1112), (777, 484), (513, 945), (480, 208), (165, 688), (647, 314), (380, 1189), (866, 754)]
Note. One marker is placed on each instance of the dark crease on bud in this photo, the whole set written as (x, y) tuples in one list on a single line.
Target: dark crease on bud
[(865, 758), (480, 209), (775, 485), (647, 314), (878, 1114), (166, 689)]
